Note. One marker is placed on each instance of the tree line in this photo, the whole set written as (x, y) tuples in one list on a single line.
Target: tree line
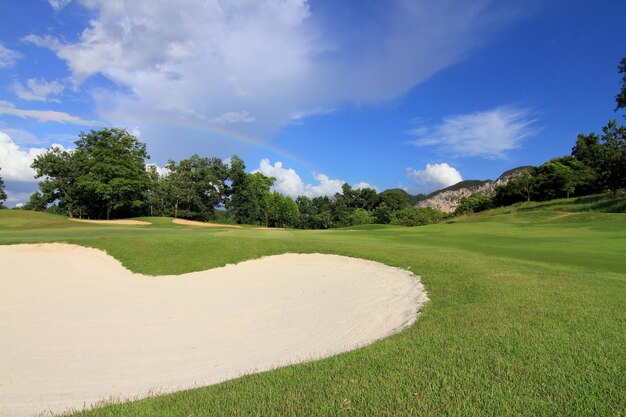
[(106, 177)]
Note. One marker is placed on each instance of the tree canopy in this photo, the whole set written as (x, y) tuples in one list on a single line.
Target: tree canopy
[(3, 194)]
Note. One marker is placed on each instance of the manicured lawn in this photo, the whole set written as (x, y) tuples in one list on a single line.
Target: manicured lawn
[(526, 315)]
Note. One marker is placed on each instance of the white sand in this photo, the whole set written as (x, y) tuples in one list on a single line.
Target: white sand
[(77, 327), (126, 221), (203, 224)]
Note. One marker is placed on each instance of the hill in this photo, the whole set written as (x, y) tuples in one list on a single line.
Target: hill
[(448, 199)]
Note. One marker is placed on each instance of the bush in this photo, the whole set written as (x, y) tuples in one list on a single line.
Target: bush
[(417, 216), (473, 204), (361, 216)]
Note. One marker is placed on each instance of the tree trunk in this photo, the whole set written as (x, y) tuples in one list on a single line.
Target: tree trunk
[(108, 211), (176, 209)]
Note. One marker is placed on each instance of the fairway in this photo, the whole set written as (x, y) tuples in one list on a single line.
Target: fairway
[(525, 316)]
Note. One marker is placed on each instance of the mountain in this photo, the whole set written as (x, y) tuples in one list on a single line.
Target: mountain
[(449, 198)]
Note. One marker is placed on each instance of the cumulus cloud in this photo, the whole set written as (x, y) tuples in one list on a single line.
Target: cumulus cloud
[(245, 54), (487, 134), (38, 90), (8, 57), (288, 181), (15, 161), (45, 115), (434, 177)]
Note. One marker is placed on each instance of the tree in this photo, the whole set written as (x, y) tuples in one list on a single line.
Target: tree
[(395, 199), (196, 186), (417, 216), (382, 213), (620, 98), (247, 200), (158, 193), (112, 171), (606, 155), (60, 172), (361, 216), (36, 202), (474, 204), (3, 194), (280, 210), (611, 168)]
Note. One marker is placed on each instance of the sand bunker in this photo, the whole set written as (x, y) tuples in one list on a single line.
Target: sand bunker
[(126, 222), (203, 224), (78, 327)]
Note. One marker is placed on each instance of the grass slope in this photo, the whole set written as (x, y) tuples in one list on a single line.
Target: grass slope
[(526, 315)]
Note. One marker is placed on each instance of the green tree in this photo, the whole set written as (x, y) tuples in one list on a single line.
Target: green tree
[(361, 216), (323, 218), (474, 204), (247, 200), (280, 210), (606, 155), (395, 199), (382, 213), (620, 98), (36, 202), (611, 168), (196, 186), (307, 211), (157, 193), (3, 194), (417, 216), (60, 173), (112, 171)]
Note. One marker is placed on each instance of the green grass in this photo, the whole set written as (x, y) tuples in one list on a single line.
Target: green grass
[(526, 315)]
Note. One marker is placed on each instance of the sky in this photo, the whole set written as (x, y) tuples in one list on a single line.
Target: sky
[(410, 94)]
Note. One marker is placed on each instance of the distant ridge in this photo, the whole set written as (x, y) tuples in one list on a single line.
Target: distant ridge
[(448, 199)]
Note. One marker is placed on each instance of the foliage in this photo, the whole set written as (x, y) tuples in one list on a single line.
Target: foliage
[(395, 199), (605, 155), (280, 211), (620, 99), (196, 185), (361, 216), (248, 202), (417, 216), (3, 194), (105, 174), (112, 171), (474, 204), (60, 173), (36, 202)]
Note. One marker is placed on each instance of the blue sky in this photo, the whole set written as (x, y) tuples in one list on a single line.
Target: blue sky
[(412, 94)]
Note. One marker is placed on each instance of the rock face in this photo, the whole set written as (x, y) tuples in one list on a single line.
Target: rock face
[(448, 199)]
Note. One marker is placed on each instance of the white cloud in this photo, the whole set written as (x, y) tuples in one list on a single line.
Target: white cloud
[(362, 185), (38, 90), (434, 177), (8, 57), (278, 59), (233, 117), (288, 181), (45, 115), (15, 161), (59, 4), (488, 134)]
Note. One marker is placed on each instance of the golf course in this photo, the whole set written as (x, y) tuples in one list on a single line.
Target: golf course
[(526, 313)]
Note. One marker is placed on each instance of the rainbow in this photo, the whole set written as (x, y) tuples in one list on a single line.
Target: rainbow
[(222, 132)]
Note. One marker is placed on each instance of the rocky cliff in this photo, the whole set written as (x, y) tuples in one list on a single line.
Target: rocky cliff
[(448, 199)]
